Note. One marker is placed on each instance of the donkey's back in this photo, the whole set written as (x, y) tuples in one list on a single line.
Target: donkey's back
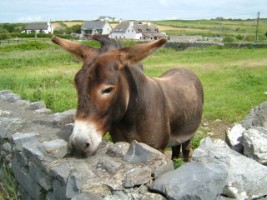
[(183, 93)]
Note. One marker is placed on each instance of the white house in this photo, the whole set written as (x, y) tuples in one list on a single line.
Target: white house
[(136, 30), (95, 27), (41, 27)]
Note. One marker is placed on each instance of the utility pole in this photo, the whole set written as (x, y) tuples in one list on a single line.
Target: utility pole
[(257, 26)]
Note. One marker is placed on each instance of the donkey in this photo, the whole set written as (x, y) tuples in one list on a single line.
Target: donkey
[(115, 96)]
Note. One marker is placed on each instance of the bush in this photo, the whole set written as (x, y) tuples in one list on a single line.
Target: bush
[(239, 37), (228, 39), (33, 45), (4, 34)]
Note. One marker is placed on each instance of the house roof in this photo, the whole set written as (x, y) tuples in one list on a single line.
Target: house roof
[(148, 30), (122, 27), (36, 26), (90, 25)]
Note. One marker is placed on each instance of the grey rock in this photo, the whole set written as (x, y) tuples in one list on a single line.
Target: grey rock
[(4, 113), (65, 117), (12, 97), (120, 195), (4, 92), (61, 169), (192, 181), (18, 139), (137, 176), (255, 144), (40, 177), (97, 187), (35, 105), (86, 196), (59, 191), (22, 159), (57, 148), (110, 165), (43, 111), (142, 153), (75, 182), (256, 117), (26, 181), (7, 147), (22, 102), (118, 149), (234, 137), (163, 169), (232, 192), (34, 151), (152, 196), (8, 126), (245, 174)]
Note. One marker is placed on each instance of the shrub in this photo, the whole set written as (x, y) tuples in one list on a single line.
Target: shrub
[(33, 45), (4, 34), (228, 39), (178, 162)]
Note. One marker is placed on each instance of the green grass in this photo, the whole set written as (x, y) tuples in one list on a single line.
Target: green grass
[(7, 184), (234, 80), (226, 28)]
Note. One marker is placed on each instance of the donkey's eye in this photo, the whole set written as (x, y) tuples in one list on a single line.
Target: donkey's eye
[(107, 90)]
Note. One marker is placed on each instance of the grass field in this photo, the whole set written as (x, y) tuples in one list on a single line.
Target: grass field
[(238, 29), (234, 80)]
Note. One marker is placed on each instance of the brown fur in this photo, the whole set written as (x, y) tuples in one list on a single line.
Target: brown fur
[(114, 93)]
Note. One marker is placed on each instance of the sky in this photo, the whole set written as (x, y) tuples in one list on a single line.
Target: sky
[(43, 10)]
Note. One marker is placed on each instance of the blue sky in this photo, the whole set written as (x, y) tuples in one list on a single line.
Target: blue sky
[(43, 10)]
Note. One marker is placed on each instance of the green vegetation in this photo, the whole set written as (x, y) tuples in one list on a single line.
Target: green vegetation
[(236, 29), (178, 162), (7, 184), (234, 80)]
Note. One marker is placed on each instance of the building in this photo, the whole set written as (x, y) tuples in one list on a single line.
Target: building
[(41, 27), (106, 19), (136, 30), (95, 27)]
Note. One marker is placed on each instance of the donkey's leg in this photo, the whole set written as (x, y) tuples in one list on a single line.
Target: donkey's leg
[(176, 151), (186, 147)]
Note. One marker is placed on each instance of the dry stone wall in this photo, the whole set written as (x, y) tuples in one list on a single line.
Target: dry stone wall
[(34, 146)]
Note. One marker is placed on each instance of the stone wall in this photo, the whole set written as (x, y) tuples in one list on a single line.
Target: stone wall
[(34, 145)]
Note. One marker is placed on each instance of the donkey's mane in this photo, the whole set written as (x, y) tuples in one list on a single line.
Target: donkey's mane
[(106, 43)]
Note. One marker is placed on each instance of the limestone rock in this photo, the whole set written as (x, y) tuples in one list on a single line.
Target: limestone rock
[(57, 148), (192, 181), (9, 126), (256, 117), (86, 196), (4, 113), (65, 117), (137, 176), (245, 174), (234, 137), (255, 144), (118, 149), (35, 105), (142, 153)]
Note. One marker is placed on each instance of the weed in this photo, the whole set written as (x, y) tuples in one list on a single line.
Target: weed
[(196, 141), (178, 162), (7, 184)]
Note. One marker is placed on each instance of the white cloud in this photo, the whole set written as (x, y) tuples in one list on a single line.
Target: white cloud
[(30, 19)]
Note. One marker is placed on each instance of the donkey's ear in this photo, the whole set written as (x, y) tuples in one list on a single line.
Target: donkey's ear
[(77, 49), (134, 54)]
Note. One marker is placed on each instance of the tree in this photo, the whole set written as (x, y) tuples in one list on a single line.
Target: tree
[(4, 34)]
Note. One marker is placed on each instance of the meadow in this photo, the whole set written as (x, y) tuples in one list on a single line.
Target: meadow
[(236, 29), (234, 79)]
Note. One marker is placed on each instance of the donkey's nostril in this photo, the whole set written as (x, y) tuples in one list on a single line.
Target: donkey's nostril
[(87, 145)]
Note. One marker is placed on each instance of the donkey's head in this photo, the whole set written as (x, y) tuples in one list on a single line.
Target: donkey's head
[(102, 88)]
